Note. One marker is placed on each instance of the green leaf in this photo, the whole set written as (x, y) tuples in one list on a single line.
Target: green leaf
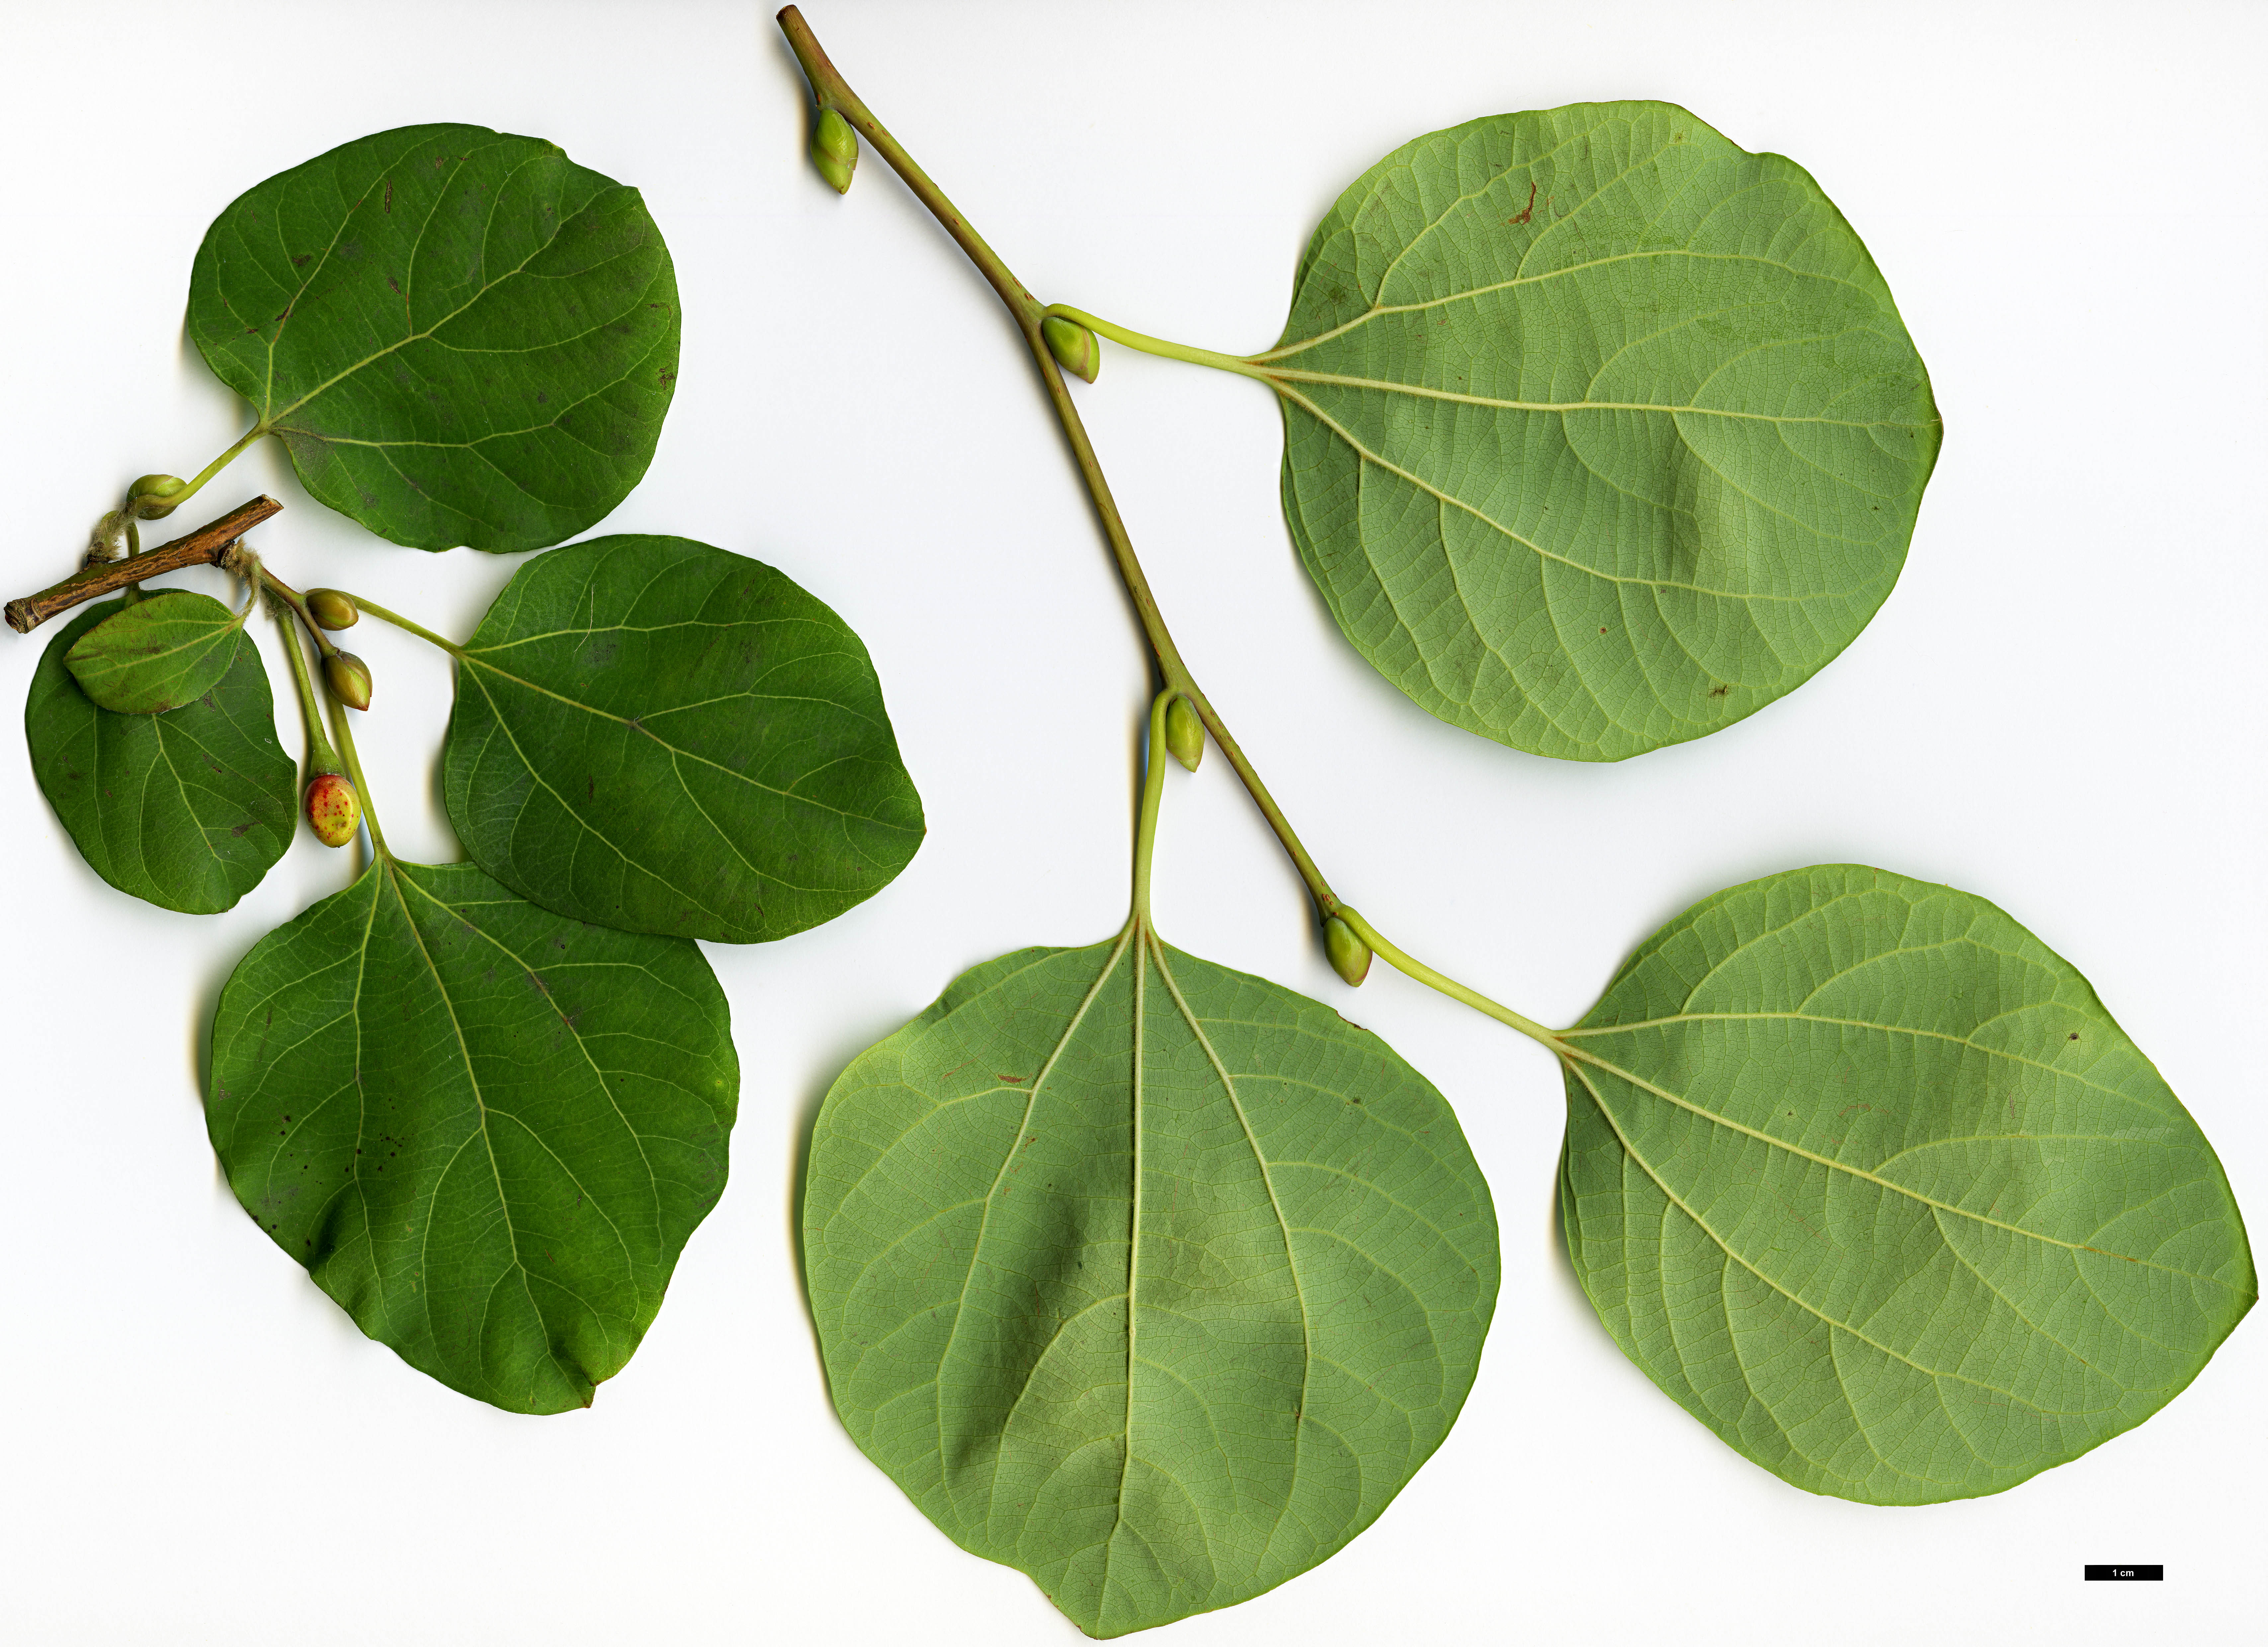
[(186, 809), (1599, 433), (157, 654), (1313, 1269), (462, 337), (658, 735), (485, 1130), (1862, 1174)]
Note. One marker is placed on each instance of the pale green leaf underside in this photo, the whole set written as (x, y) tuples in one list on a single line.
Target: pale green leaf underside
[(1599, 433), (156, 654), (659, 736), (1313, 1266), (462, 337), (186, 809), (486, 1130), (1862, 1174)]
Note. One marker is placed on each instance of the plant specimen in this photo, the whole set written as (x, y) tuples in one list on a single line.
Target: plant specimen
[(1157, 1282), (485, 1103)]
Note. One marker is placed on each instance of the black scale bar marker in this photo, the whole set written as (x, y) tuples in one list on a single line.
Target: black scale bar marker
[(2128, 1573)]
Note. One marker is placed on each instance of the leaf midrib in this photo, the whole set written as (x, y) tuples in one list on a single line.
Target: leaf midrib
[(1283, 1225), (653, 1182), (1725, 1247), (992, 1194), (637, 723), (394, 879), (1341, 379), (1860, 1023), (1542, 553), (272, 420), (1572, 1054)]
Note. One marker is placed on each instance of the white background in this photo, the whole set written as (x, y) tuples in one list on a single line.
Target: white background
[(2060, 708)]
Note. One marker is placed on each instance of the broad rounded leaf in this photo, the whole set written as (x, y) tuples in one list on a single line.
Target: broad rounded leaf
[(186, 809), (462, 337), (486, 1131), (1599, 433), (1862, 1174), (1313, 1265), (658, 735), (157, 653)]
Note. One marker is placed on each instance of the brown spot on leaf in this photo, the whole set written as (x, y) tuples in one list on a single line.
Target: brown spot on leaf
[(1527, 213)]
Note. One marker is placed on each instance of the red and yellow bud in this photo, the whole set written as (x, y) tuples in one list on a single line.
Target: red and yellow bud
[(334, 809)]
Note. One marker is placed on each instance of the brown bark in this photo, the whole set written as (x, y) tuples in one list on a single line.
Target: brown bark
[(203, 547)]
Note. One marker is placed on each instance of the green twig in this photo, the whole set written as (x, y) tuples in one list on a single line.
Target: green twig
[(401, 623), (1149, 346), (1154, 789), (321, 757), (830, 91), (339, 721)]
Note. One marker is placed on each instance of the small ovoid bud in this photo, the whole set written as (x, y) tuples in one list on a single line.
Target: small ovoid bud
[(1185, 734), (835, 150), (349, 679), (148, 497), (334, 809), (333, 609), (1349, 955), (1076, 349)]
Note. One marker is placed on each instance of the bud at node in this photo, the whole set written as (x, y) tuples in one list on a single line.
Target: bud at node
[(1185, 734), (333, 609), (349, 679), (1350, 956), (148, 496), (835, 150), (1076, 349), (334, 809)]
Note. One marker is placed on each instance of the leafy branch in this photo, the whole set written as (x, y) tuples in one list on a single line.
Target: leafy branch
[(1115, 1269), (485, 1104)]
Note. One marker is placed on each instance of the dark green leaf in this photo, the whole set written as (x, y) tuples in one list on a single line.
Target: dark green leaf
[(1599, 433), (1313, 1265), (658, 735), (156, 654), (462, 337), (1862, 1174), (486, 1131), (186, 809)]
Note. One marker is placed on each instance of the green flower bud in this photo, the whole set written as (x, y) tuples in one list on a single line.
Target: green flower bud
[(1349, 955), (1185, 733), (333, 609), (334, 809), (349, 679), (1076, 349), (835, 150), (147, 497)]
